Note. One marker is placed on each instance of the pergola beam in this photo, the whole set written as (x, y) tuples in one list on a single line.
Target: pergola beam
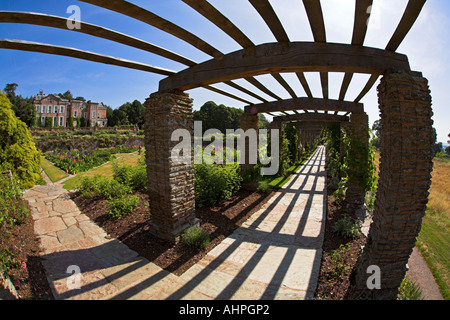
[(410, 15), (305, 103), (80, 54), (215, 16), (266, 11), (311, 117), (276, 58), (362, 14), (136, 12), (93, 30)]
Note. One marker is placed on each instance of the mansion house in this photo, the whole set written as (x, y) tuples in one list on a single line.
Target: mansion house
[(60, 110)]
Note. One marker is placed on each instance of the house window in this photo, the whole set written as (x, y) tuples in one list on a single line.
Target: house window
[(44, 109), (61, 119), (62, 109), (93, 114), (38, 109), (55, 121), (75, 113), (43, 121), (55, 109)]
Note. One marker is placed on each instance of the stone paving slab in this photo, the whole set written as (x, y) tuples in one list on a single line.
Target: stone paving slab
[(275, 254)]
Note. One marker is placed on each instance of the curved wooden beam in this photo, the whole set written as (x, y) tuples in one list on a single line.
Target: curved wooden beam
[(266, 11), (215, 16), (91, 29), (305, 103), (226, 93), (410, 15), (284, 84), (363, 8), (312, 117), (277, 58), (367, 87), (80, 54), (301, 77), (315, 17), (136, 12)]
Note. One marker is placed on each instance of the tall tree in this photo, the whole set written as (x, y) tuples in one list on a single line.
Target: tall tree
[(23, 107), (10, 90)]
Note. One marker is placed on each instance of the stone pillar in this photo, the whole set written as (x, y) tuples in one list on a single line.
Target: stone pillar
[(357, 128), (404, 180), (248, 121), (170, 185)]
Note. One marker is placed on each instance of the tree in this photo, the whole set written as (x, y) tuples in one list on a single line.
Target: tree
[(66, 95), (376, 128), (23, 107), (17, 150), (219, 117), (10, 90)]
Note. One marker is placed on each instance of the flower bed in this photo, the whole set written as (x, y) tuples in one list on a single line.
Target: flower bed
[(77, 161)]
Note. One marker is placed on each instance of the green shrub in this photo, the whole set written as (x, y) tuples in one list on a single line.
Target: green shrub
[(347, 227), (132, 176), (196, 237), (264, 186), (99, 186), (17, 150), (122, 206), (214, 182), (409, 290)]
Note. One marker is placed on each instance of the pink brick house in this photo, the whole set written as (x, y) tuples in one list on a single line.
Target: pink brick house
[(60, 110)]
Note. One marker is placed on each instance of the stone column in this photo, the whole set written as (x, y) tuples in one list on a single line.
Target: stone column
[(170, 184), (404, 180), (248, 121), (357, 128)]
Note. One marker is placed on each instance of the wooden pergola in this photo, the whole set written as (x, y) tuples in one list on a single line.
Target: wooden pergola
[(401, 196)]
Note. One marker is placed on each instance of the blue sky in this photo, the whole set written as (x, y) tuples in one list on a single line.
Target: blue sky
[(427, 46)]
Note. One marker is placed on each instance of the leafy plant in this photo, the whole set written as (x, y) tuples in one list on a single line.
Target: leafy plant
[(264, 186), (99, 186), (196, 237), (347, 227), (17, 149), (132, 176), (122, 206), (338, 262), (410, 290), (213, 182)]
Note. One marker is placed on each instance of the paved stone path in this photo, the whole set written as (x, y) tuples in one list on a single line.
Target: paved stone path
[(275, 254)]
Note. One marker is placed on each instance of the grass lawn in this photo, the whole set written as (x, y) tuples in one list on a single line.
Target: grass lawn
[(104, 170), (434, 237), (55, 174)]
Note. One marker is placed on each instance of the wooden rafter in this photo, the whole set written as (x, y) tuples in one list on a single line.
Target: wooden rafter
[(305, 103), (215, 16), (301, 77), (311, 117), (362, 14), (410, 15), (136, 12), (373, 78), (297, 57), (266, 11), (261, 87), (80, 54), (91, 29)]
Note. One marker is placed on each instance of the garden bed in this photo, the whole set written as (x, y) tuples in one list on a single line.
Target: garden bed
[(219, 221), (28, 276), (339, 254)]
